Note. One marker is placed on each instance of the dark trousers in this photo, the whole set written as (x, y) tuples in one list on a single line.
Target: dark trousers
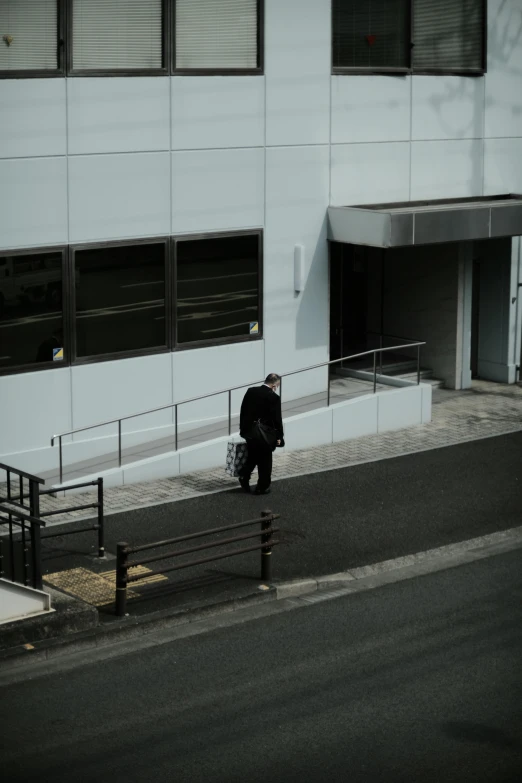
[(262, 457)]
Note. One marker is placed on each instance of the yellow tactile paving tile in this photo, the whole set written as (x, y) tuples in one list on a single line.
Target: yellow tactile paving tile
[(96, 589)]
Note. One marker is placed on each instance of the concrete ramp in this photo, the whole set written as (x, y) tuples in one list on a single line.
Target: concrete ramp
[(390, 408)]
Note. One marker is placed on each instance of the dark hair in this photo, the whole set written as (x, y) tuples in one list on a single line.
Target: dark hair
[(272, 378)]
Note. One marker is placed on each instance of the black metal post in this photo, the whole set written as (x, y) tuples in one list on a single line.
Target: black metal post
[(8, 484), (266, 552), (36, 544), (21, 487), (122, 556), (119, 443), (380, 345), (229, 411), (24, 554), (375, 372), (175, 427), (281, 388), (1, 557), (328, 387), (418, 364), (101, 537), (11, 547), (61, 459)]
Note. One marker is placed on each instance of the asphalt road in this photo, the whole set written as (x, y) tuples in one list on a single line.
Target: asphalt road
[(416, 681), (347, 517)]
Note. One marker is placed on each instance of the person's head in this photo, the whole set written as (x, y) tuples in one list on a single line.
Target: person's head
[(273, 380)]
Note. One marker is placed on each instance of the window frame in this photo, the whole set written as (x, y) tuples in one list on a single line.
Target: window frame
[(82, 72), (67, 358), (411, 70), (215, 341), (37, 73), (132, 353), (259, 70)]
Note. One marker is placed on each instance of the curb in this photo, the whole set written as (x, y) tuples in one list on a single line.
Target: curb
[(389, 571), (124, 630), (298, 592)]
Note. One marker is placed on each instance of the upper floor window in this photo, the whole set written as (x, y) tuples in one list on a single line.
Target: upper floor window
[(117, 35), (409, 36), (217, 35), (30, 40), (130, 37)]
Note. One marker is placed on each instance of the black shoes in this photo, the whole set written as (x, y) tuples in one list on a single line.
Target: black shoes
[(244, 483), (261, 491)]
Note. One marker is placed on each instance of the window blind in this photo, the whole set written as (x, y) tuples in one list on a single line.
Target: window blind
[(117, 34), (216, 34), (371, 33), (33, 27), (448, 34)]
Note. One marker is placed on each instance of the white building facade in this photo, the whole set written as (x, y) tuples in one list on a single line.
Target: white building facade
[(161, 161)]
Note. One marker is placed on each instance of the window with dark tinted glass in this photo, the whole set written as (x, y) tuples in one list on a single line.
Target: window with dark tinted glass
[(31, 323), (373, 34), (448, 35), (217, 288), (119, 298)]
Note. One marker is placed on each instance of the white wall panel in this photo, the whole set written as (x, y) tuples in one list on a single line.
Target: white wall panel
[(33, 407), (296, 325), (355, 418), (118, 114), (112, 196), (401, 408), (370, 173), (446, 169), (447, 107), (297, 67), (33, 117), (370, 108), (33, 202), (502, 166), (108, 390), (217, 190), (218, 112), (503, 79), (206, 370)]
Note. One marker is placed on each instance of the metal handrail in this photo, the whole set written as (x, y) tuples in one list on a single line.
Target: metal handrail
[(229, 391)]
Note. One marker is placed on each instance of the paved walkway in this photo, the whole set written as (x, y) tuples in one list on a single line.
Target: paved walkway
[(486, 410)]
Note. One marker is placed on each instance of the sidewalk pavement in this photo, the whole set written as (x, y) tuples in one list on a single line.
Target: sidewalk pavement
[(397, 494), (485, 410)]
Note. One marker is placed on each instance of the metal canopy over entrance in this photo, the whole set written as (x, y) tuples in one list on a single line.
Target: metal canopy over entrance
[(426, 222)]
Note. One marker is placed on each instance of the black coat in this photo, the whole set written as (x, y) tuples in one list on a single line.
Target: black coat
[(261, 402)]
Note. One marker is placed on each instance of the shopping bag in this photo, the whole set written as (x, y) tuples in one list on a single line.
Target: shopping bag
[(237, 454)]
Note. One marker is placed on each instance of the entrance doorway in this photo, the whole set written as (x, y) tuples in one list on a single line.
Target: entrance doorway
[(356, 298)]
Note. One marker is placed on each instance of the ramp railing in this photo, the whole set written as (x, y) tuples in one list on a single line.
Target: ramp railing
[(176, 405)]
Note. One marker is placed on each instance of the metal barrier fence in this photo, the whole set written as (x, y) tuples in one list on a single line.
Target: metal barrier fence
[(99, 526), (25, 520), (31, 567), (123, 564), (19, 513)]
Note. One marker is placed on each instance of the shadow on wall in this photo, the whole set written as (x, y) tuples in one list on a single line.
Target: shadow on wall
[(312, 322), (504, 38)]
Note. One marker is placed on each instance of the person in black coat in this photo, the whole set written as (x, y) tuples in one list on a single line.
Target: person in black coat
[(260, 402)]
